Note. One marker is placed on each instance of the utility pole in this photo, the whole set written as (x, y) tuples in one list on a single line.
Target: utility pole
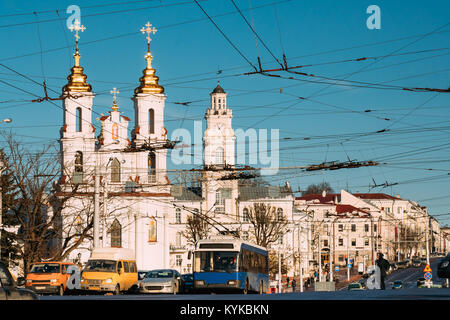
[(348, 252), (319, 257), (105, 211), (279, 271), (332, 249), (427, 226), (96, 206), (300, 260)]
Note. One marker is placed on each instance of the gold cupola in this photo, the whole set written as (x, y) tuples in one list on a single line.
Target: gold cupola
[(77, 79), (149, 81)]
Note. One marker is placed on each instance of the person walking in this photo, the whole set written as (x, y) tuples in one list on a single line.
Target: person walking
[(294, 284), (384, 266)]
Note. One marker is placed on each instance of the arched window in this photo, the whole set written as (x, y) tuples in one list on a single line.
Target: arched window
[(79, 119), (151, 121), (219, 156), (115, 170), (116, 234), (78, 161), (245, 215), (280, 214), (115, 131), (151, 163)]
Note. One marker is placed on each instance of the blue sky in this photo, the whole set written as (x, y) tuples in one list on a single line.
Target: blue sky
[(188, 51)]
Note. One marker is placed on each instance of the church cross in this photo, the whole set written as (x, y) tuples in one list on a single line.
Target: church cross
[(114, 92), (148, 30), (77, 27)]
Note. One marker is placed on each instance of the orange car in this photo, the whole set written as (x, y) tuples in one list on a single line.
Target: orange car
[(49, 277)]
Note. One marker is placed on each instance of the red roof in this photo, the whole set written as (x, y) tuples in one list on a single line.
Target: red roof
[(329, 198), (104, 118), (126, 118), (375, 196), (346, 208)]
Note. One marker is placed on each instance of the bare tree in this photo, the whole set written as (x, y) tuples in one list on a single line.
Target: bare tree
[(318, 188), (197, 228), (35, 205), (267, 223)]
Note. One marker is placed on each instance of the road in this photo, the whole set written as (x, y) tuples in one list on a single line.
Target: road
[(409, 276)]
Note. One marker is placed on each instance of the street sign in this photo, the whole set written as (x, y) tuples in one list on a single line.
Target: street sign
[(427, 268), (428, 276)]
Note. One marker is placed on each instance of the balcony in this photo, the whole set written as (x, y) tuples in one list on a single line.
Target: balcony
[(177, 248)]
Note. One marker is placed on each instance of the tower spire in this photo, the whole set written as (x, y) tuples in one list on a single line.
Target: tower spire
[(77, 79), (149, 81)]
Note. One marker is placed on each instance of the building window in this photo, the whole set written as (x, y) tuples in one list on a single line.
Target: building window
[(151, 121), (245, 235), (115, 170), (219, 156), (115, 131), (353, 242), (374, 228), (177, 215), (79, 161), (341, 227), (178, 260), (366, 242), (280, 239), (178, 239), (78, 226), (399, 210), (366, 228), (151, 165), (245, 217), (325, 243), (388, 210), (325, 227), (341, 258), (353, 227), (341, 242), (79, 119), (116, 234), (280, 216), (220, 202)]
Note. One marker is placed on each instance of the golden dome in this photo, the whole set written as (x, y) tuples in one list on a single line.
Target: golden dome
[(77, 79), (149, 81)]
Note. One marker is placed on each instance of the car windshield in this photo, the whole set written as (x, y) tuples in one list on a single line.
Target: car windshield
[(397, 282), (221, 261), (354, 286), (101, 266), (46, 268), (160, 274)]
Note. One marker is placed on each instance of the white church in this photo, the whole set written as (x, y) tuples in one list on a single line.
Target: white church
[(139, 208)]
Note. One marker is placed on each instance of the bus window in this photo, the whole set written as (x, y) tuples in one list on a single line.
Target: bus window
[(215, 261)]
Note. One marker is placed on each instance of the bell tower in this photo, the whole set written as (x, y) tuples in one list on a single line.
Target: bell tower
[(77, 133)]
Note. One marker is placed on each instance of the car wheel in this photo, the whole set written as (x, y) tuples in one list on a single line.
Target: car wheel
[(61, 290), (117, 290)]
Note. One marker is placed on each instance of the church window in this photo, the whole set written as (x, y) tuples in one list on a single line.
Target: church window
[(219, 156), (280, 214), (115, 131), (178, 239), (245, 215), (78, 120), (151, 121), (79, 161), (220, 202), (152, 166), (115, 170), (116, 234)]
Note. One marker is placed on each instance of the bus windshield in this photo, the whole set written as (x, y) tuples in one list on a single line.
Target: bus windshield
[(218, 261), (101, 266), (46, 268)]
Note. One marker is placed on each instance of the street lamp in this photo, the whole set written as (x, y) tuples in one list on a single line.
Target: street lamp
[(2, 168)]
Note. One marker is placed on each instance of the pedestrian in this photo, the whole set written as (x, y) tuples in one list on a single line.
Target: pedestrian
[(384, 265), (294, 284)]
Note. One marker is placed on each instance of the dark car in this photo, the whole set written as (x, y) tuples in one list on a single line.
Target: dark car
[(9, 289), (416, 262), (188, 282), (444, 267)]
